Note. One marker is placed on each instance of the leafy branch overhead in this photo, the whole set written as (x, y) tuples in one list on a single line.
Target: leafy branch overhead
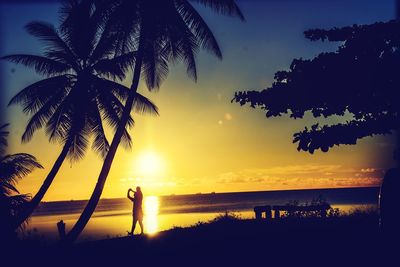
[(360, 78)]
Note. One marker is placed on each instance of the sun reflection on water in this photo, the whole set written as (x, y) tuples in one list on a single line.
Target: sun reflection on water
[(151, 208)]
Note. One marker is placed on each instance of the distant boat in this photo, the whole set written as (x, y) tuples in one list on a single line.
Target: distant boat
[(212, 193)]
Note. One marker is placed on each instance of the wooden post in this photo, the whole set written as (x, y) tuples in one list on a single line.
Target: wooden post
[(268, 213), (258, 212), (323, 213), (277, 214), (61, 229)]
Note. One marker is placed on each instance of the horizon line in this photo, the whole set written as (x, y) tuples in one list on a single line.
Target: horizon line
[(228, 192)]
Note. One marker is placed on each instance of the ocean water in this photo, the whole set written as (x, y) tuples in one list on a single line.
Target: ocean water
[(113, 216)]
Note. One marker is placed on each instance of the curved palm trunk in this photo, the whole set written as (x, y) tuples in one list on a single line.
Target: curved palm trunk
[(95, 197), (31, 206)]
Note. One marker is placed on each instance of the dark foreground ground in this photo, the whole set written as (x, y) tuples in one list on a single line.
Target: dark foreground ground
[(347, 241)]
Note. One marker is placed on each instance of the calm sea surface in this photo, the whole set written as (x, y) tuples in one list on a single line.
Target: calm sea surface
[(113, 216)]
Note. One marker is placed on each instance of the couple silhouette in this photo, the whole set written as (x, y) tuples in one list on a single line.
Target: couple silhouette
[(137, 211)]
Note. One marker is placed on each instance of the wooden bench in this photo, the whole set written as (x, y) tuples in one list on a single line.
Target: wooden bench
[(267, 209), (259, 210)]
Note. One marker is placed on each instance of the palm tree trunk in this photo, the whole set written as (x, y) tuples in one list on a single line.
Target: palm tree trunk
[(31, 206), (95, 197)]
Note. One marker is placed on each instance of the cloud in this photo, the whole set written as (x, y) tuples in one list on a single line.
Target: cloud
[(274, 178), (303, 169), (368, 170), (301, 176)]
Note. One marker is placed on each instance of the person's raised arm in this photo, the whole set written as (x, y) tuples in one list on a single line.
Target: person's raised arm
[(128, 194)]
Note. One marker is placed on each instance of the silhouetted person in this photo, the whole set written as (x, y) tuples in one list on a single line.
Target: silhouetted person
[(137, 212)]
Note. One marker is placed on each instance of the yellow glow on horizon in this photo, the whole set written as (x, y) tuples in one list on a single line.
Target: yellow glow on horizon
[(151, 209)]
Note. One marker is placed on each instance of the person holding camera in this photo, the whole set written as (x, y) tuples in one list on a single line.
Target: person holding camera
[(137, 211)]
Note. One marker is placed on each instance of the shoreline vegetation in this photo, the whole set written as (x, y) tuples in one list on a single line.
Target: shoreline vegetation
[(229, 239), (210, 209), (368, 212)]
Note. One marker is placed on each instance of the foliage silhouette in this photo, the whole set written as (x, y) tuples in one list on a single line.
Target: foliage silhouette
[(319, 201), (12, 168), (359, 80), (160, 32), (78, 93)]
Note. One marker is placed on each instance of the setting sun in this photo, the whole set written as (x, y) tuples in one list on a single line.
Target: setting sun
[(149, 163)]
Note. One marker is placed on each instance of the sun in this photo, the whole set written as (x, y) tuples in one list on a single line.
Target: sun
[(149, 163)]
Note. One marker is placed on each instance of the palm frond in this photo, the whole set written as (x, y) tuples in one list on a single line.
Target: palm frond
[(141, 104), (126, 140), (7, 188), (117, 67), (16, 202), (42, 65), (12, 206), (155, 65), (47, 33), (3, 138), (41, 117), (60, 123), (34, 96), (62, 57), (112, 109), (181, 44), (198, 27), (80, 142), (105, 47), (189, 49), (80, 27), (224, 7), (100, 143), (72, 12), (124, 23), (14, 167)]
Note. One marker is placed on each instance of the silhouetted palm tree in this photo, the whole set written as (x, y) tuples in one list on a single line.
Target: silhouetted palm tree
[(12, 168), (160, 31), (76, 96)]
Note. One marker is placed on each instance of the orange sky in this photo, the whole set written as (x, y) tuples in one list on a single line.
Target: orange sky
[(202, 142)]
